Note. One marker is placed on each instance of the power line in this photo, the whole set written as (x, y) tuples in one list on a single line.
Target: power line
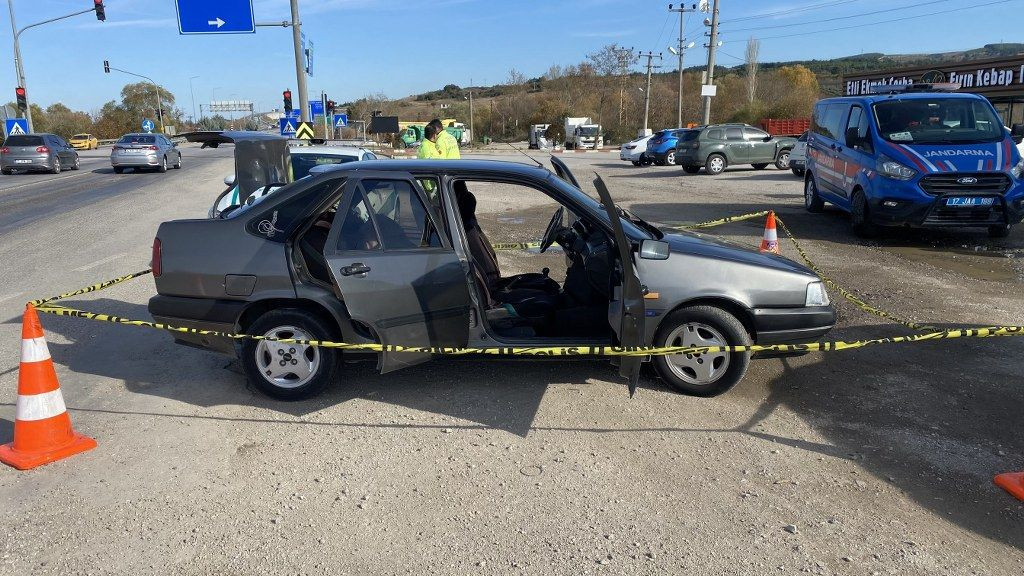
[(655, 47), (865, 24), (839, 17), (792, 10)]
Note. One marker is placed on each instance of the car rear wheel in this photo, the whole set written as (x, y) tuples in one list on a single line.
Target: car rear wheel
[(55, 167), (670, 158), (782, 162), (716, 164), (760, 166), (177, 165), (860, 216), (289, 371), (163, 165), (812, 202), (703, 374), (1000, 231), (691, 169)]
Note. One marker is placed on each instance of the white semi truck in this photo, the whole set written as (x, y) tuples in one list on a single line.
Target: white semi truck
[(582, 133), (537, 135)]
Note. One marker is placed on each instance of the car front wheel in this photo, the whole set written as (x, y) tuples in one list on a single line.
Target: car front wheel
[(289, 371), (702, 374), (716, 164), (782, 162)]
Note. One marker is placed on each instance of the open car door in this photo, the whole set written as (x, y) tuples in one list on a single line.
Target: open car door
[(627, 311), (397, 274), (261, 161)]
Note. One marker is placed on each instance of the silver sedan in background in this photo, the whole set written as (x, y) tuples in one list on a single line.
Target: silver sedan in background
[(144, 151)]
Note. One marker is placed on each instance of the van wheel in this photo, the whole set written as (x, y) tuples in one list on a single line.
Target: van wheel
[(1000, 231), (860, 216), (716, 164), (782, 162), (289, 371), (812, 202), (708, 374)]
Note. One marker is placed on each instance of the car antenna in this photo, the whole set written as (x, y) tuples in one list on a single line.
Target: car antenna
[(535, 161)]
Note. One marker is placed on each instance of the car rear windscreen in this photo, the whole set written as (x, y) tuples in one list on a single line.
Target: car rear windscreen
[(141, 139), (688, 135), (24, 141)]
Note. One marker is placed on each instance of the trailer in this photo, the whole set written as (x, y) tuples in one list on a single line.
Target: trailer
[(786, 126)]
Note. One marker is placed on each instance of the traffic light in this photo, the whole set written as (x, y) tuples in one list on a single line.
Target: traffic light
[(22, 98), (101, 11), (106, 66), (287, 101), (330, 107)]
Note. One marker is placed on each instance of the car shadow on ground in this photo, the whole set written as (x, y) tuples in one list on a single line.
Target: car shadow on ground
[(499, 394), (915, 416)]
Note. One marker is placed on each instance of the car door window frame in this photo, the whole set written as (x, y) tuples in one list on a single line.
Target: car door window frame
[(863, 124)]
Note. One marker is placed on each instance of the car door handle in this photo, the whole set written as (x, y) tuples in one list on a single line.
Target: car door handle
[(355, 269)]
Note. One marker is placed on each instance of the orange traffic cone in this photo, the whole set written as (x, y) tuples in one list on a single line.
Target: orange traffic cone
[(1012, 482), (42, 427), (770, 242)]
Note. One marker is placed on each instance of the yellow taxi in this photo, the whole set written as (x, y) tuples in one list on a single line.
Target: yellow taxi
[(84, 142)]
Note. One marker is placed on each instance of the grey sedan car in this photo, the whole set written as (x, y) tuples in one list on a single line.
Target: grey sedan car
[(144, 152), (37, 153), (391, 252)]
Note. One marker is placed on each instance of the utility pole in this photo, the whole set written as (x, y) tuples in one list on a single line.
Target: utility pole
[(646, 95), (300, 68), (625, 58), (712, 46), (681, 47), (472, 134)]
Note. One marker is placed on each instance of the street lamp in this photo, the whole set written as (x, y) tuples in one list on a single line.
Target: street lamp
[(193, 93)]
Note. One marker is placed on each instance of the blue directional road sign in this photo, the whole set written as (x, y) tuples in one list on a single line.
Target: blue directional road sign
[(219, 17), (316, 108), (288, 126), (295, 114), (148, 125), (340, 120), (16, 126)]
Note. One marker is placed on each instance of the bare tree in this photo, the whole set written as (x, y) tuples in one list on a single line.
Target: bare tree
[(753, 44)]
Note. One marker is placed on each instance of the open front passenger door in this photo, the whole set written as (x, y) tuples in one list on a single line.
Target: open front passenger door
[(627, 312), (397, 272)]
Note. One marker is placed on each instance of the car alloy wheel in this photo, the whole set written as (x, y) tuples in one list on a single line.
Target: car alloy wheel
[(708, 373), (287, 365), (177, 165), (716, 164), (670, 159), (56, 165), (163, 164), (783, 161), (698, 368)]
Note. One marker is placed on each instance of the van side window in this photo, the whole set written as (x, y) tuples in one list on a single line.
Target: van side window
[(828, 120), (859, 121)]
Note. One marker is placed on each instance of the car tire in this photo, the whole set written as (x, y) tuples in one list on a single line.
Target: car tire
[(782, 162), (716, 164), (635, 162), (163, 165), (670, 159), (177, 165), (55, 167), (6, 171), (691, 169), (760, 165), (702, 374), (860, 216), (118, 170), (267, 364), (999, 231), (812, 201), (798, 172), (77, 164)]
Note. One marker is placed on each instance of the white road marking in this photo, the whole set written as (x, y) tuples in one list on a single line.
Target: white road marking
[(35, 182), (9, 296), (101, 262)]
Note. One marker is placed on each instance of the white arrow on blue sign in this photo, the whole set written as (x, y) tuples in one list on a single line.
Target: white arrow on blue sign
[(287, 127), (148, 125), (220, 17), (340, 120), (16, 126)]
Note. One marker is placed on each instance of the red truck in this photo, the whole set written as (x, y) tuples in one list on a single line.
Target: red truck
[(785, 126)]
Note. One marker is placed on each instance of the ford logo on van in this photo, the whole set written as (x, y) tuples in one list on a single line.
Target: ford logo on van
[(967, 180)]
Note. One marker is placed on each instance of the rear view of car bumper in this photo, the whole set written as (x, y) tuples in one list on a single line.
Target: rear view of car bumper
[(198, 314), (125, 160), (27, 163), (803, 324)]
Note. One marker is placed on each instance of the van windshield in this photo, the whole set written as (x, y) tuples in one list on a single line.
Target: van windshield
[(938, 120)]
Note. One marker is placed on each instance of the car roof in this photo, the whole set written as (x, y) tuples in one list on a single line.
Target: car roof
[(326, 150)]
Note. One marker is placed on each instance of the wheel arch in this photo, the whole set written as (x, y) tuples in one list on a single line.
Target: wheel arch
[(335, 316), (739, 310)]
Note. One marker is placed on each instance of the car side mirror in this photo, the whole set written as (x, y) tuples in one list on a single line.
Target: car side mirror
[(229, 180), (768, 138), (654, 250), (1017, 133)]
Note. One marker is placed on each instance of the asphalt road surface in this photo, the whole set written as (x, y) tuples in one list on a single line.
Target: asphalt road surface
[(874, 461)]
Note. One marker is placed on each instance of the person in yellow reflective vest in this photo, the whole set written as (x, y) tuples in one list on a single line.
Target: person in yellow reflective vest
[(446, 143), (429, 150)]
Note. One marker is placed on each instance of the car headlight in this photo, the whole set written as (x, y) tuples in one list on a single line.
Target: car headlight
[(816, 295), (1018, 169), (893, 169)]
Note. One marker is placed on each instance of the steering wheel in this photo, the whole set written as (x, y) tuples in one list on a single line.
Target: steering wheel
[(554, 227)]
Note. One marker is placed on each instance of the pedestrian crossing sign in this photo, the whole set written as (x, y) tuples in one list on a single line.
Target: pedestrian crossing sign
[(16, 126), (288, 126)]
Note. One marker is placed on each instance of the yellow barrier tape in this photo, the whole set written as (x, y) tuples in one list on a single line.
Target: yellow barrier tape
[(515, 245)]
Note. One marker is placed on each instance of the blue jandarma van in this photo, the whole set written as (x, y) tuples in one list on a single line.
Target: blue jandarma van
[(915, 156)]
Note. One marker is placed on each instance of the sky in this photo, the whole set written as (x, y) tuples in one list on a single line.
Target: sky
[(403, 47)]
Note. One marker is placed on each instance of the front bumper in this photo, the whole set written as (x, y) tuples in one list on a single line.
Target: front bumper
[(896, 203), (126, 160), (803, 324)]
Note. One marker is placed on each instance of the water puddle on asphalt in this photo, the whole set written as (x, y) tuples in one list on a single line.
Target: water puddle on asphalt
[(979, 262)]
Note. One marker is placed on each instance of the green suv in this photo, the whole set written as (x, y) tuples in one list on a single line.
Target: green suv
[(716, 146)]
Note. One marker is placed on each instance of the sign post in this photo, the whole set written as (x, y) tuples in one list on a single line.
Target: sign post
[(221, 17)]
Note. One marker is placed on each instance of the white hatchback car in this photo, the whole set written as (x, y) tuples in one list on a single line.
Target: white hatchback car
[(798, 156), (634, 150)]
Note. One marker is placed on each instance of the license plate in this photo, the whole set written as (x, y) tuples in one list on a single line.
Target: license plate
[(22, 161), (969, 201), (134, 151)]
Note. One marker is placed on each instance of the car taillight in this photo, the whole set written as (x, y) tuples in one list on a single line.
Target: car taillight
[(152, 147), (5, 150), (42, 149), (157, 263)]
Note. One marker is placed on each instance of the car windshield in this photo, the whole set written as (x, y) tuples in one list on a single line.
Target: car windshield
[(137, 139), (588, 131), (24, 141), (80, 137), (939, 120), (303, 163)]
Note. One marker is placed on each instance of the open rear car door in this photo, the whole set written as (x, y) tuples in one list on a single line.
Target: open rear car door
[(627, 307), (397, 272)]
